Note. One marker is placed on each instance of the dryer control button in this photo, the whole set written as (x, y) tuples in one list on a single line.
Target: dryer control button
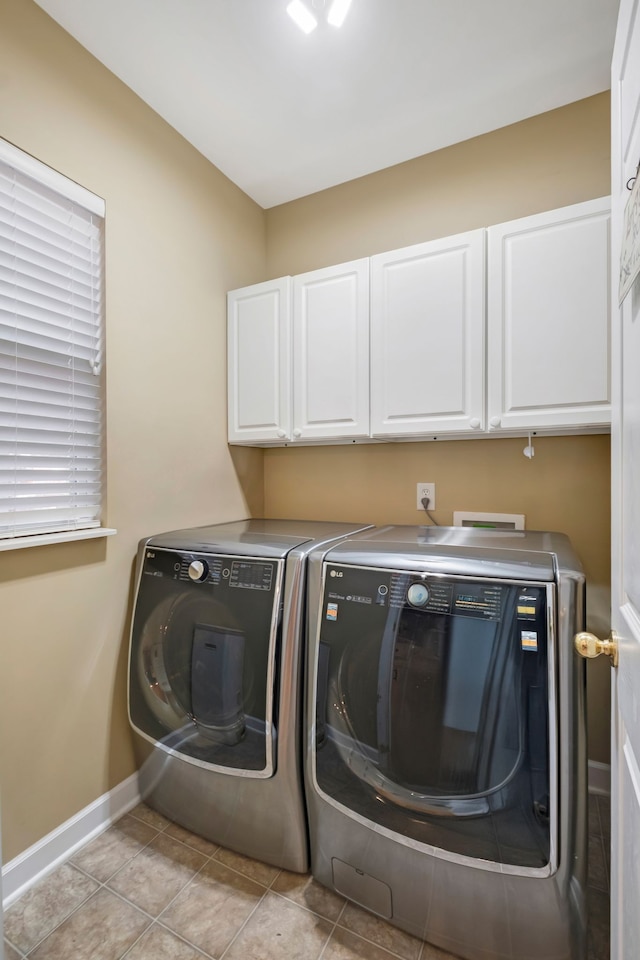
[(198, 570)]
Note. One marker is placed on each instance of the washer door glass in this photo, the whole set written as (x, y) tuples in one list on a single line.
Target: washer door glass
[(203, 657), (432, 709)]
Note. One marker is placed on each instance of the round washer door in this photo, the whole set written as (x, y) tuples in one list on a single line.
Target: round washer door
[(203, 668), (432, 709)]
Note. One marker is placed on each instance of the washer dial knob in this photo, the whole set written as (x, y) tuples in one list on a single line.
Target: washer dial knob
[(198, 570), (418, 594)]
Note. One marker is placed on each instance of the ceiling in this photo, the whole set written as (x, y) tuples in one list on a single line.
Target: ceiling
[(284, 114)]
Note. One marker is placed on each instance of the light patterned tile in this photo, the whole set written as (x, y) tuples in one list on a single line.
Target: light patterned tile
[(344, 945), (210, 911), (159, 872), (598, 925), (101, 929), (150, 816), (206, 847), (280, 930), (385, 935), (604, 807), (109, 852), (254, 869), (160, 944), (431, 952), (10, 953), (46, 905), (597, 868), (594, 827), (304, 890)]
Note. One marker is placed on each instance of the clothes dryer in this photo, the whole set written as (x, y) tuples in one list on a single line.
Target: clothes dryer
[(445, 731), (214, 681)]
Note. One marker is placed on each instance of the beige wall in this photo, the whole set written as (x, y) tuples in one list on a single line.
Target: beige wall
[(554, 159), (178, 236), (548, 161)]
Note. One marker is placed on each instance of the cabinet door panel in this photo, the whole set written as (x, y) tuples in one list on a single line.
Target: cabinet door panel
[(331, 352), (427, 337), (548, 308), (259, 362)]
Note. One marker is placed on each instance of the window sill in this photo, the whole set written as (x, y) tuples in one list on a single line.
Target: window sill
[(43, 539)]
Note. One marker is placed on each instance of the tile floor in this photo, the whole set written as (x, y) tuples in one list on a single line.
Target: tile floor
[(148, 890)]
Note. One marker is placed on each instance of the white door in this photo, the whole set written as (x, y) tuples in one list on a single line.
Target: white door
[(259, 362), (1, 921), (625, 600), (331, 352), (548, 299), (427, 338)]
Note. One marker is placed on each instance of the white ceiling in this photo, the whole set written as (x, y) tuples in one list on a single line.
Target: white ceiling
[(284, 114)]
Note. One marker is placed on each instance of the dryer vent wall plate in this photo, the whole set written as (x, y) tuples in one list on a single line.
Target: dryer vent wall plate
[(489, 521)]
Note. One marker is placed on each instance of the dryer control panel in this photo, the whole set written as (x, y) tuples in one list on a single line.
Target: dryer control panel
[(243, 573)]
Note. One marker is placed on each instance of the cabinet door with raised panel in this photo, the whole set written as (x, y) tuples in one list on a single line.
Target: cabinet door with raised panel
[(331, 352), (259, 362), (427, 338), (548, 319)]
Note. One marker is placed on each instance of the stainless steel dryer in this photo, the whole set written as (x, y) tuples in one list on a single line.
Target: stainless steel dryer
[(214, 681), (445, 730)]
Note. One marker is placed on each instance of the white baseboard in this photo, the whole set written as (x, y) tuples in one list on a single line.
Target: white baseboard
[(40, 859), (599, 778)]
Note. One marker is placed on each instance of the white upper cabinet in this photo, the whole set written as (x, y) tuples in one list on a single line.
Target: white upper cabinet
[(493, 331), (427, 338), (331, 352), (259, 362), (548, 320)]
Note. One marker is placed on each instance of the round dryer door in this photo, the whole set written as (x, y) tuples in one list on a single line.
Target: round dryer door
[(203, 658)]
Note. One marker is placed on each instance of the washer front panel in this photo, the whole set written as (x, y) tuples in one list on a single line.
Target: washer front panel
[(203, 658), (435, 716)]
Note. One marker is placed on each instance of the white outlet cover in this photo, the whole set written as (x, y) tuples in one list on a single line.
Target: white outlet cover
[(426, 489)]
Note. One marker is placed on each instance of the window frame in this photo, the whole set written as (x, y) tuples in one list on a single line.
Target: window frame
[(69, 191)]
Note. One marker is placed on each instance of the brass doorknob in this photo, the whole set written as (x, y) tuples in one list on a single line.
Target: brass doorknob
[(590, 646)]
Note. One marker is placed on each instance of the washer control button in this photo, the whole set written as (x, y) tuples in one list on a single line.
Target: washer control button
[(417, 594), (198, 570)]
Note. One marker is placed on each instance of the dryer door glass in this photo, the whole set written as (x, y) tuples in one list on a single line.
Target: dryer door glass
[(433, 706), (203, 663)]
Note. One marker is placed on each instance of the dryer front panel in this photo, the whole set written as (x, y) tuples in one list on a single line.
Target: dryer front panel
[(203, 669), (435, 711)]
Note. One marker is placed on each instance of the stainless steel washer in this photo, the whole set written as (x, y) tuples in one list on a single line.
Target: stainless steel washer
[(214, 681), (445, 736)]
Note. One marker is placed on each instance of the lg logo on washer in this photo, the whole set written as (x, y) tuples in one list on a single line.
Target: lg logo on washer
[(336, 573)]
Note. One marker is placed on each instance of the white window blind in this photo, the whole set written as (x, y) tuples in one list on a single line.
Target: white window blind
[(51, 327)]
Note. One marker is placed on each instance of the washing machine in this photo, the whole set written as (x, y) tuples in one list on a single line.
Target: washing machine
[(445, 736), (215, 681)]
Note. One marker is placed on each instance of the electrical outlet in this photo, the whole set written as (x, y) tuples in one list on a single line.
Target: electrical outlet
[(426, 490)]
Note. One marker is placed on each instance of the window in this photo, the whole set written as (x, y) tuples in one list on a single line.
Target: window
[(51, 343)]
